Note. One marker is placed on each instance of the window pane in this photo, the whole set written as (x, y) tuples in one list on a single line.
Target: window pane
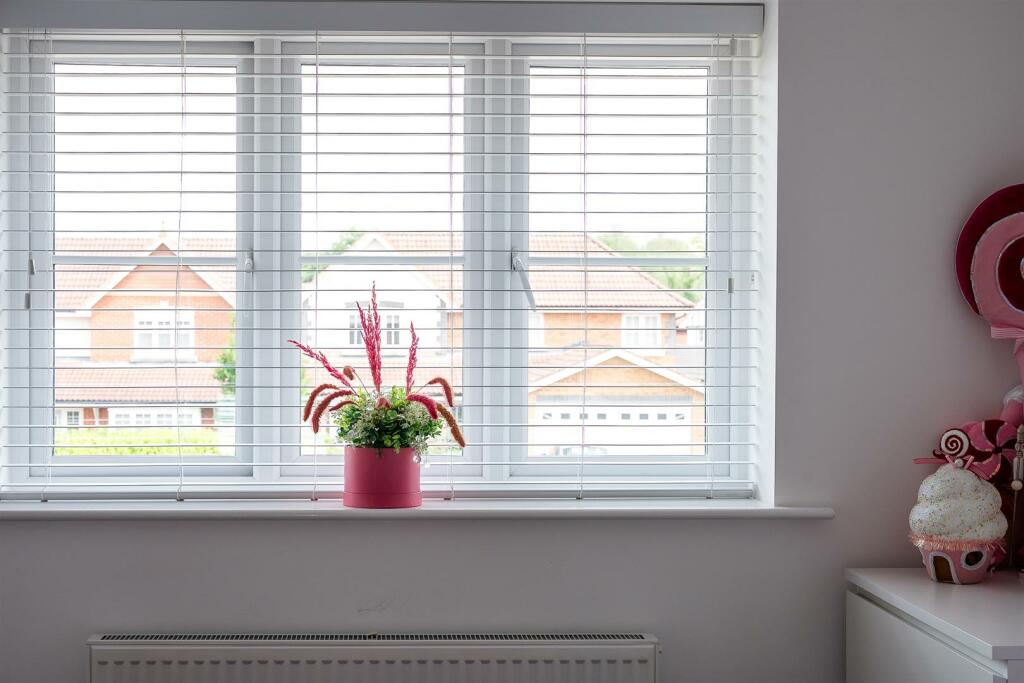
[(144, 335), (381, 186), (618, 338)]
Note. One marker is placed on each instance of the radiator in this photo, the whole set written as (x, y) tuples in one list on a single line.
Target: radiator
[(346, 658)]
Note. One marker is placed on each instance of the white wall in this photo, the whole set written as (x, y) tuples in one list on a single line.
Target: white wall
[(895, 119)]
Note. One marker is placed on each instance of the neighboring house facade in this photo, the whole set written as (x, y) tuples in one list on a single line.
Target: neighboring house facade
[(117, 363), (638, 338), (120, 365)]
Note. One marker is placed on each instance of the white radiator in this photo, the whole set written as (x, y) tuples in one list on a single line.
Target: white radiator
[(343, 658)]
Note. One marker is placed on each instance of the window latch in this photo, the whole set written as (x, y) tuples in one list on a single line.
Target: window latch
[(524, 277)]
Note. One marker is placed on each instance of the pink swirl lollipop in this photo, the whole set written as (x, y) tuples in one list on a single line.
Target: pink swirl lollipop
[(993, 240)]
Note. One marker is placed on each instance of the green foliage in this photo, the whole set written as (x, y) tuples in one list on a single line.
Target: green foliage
[(147, 441), (225, 373), (406, 424), (347, 239), (689, 281)]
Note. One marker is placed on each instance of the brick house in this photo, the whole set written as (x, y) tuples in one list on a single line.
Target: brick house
[(114, 334), (116, 358), (637, 334)]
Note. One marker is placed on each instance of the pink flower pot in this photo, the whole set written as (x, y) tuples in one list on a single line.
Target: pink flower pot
[(381, 479)]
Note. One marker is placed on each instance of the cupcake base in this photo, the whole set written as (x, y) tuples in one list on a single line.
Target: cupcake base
[(958, 562)]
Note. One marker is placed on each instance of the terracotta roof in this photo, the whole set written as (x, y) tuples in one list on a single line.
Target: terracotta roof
[(555, 287), (78, 285), (541, 366), (136, 384), (139, 245), (561, 287)]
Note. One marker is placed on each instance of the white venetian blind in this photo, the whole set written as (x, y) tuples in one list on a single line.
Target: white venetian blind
[(569, 220)]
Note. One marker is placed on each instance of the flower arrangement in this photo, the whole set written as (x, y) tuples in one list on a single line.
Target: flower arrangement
[(369, 417)]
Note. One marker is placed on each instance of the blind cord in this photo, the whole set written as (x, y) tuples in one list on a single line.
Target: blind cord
[(177, 275)]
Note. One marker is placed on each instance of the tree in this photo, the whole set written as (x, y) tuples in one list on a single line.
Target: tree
[(688, 283), (225, 372), (346, 240)]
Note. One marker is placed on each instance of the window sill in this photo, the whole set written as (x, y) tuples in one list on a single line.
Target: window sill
[(432, 509)]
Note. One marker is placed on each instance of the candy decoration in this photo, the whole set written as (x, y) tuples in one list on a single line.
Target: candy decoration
[(998, 282), (954, 443), (976, 455), (989, 255), (999, 205)]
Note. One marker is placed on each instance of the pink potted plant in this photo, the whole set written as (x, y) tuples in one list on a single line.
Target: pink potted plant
[(385, 431)]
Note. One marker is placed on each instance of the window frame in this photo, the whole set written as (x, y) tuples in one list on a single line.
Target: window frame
[(33, 462), (264, 375)]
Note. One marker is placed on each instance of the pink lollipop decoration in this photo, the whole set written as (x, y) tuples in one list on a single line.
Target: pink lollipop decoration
[(975, 453), (998, 282), (998, 205), (992, 242)]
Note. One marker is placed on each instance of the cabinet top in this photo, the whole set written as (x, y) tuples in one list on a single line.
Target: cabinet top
[(986, 617)]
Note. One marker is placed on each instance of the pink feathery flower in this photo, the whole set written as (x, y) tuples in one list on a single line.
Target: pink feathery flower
[(349, 371), (340, 404), (371, 336), (314, 419), (452, 425), (383, 402), (312, 397), (319, 357), (413, 345), (426, 402), (449, 395)]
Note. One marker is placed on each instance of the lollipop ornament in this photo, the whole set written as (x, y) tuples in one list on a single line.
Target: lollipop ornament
[(989, 256)]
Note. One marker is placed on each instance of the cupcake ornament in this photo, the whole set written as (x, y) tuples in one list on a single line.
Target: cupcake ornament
[(957, 525)]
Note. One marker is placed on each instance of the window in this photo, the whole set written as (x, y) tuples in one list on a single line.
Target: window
[(355, 333), (641, 332), (568, 222), (156, 332), (392, 329)]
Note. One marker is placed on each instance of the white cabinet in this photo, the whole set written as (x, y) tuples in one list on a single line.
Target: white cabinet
[(901, 627)]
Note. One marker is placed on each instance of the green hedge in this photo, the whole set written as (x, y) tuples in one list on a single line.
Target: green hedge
[(148, 441)]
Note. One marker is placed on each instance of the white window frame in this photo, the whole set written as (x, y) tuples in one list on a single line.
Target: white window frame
[(35, 388), (269, 287)]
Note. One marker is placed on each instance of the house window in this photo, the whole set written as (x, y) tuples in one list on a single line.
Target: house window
[(72, 418), (545, 210), (392, 329), (536, 321), (640, 332), (355, 332), (156, 339)]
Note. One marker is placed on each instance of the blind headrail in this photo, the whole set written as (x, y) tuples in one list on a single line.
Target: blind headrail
[(391, 15)]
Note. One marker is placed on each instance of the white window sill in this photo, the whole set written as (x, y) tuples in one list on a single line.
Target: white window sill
[(431, 509)]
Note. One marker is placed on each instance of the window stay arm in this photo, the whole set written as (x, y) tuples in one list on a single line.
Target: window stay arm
[(517, 265)]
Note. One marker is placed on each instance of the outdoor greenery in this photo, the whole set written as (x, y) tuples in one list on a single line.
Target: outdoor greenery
[(225, 372), (346, 240), (128, 441), (399, 424), (688, 283)]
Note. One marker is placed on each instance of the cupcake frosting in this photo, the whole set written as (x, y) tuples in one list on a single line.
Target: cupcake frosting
[(954, 504)]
